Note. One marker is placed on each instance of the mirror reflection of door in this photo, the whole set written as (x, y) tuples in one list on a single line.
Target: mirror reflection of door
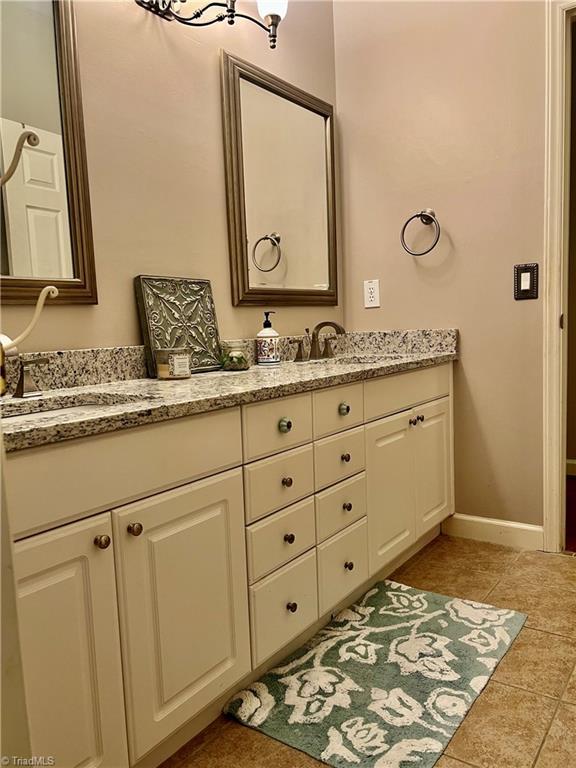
[(36, 232), (284, 158)]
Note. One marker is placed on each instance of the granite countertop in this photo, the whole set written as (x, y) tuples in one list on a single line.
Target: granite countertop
[(124, 404)]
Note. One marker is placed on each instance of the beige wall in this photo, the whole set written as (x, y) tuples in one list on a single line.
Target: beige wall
[(154, 140), (441, 104)]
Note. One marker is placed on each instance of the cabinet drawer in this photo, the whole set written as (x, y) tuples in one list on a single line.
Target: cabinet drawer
[(340, 506), (342, 565), (338, 457), (283, 605), (280, 538), (274, 483), (391, 394), (337, 409), (276, 425)]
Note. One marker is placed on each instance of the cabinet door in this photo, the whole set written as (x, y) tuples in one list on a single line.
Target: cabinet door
[(433, 464), (70, 645), (183, 604), (390, 488)]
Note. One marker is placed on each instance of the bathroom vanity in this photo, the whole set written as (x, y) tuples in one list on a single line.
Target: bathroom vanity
[(161, 560)]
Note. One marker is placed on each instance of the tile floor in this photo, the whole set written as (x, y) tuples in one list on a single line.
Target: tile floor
[(526, 715)]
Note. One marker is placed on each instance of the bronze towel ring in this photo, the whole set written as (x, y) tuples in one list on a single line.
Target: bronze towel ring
[(427, 217), (274, 238)]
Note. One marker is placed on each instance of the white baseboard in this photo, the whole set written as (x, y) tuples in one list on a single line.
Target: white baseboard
[(571, 467), (505, 532)]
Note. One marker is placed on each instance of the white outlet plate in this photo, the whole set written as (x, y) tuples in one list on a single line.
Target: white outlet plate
[(371, 293)]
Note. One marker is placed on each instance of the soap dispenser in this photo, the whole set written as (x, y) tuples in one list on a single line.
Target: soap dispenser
[(268, 343)]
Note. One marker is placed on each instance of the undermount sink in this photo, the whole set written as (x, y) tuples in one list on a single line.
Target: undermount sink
[(15, 407)]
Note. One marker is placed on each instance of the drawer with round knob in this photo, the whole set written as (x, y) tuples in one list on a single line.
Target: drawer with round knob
[(338, 457), (279, 538), (342, 565), (337, 408), (282, 606), (340, 506), (276, 425), (277, 482)]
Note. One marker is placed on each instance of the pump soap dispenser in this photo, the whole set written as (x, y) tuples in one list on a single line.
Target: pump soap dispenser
[(268, 343)]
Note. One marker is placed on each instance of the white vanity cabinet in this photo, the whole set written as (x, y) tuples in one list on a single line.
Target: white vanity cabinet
[(70, 645), (182, 591), (433, 464), (409, 470), (390, 489), (304, 557), (226, 536)]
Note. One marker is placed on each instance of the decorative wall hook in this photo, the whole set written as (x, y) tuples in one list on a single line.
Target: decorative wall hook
[(26, 137), (271, 11), (10, 345)]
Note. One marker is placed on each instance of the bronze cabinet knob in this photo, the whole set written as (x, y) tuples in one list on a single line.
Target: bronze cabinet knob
[(135, 529), (345, 457), (287, 482), (347, 506), (349, 565), (413, 422), (102, 541), (420, 417), (292, 607), (284, 425), (289, 538), (344, 409)]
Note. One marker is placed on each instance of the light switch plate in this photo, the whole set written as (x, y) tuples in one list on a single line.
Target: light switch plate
[(525, 281), (371, 293)]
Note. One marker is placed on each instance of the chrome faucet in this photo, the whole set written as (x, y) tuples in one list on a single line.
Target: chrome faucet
[(315, 344)]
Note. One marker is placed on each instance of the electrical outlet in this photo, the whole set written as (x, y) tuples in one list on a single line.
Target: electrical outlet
[(371, 293)]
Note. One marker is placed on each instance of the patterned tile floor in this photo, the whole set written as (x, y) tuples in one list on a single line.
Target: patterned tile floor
[(524, 718)]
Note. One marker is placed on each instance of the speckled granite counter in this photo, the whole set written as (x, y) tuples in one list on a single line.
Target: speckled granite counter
[(124, 404)]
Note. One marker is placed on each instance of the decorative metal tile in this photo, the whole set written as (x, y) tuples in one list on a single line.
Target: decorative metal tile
[(178, 312)]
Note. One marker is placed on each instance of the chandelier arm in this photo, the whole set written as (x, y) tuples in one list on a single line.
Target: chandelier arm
[(189, 22), (252, 19)]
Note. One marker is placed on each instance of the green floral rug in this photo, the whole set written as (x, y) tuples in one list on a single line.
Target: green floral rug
[(386, 683)]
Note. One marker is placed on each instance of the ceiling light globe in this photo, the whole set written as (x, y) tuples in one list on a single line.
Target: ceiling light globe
[(272, 8)]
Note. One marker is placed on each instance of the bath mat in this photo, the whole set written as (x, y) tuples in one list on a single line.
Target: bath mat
[(386, 683)]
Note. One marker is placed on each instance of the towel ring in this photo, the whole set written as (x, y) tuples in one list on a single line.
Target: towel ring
[(274, 238), (427, 217)]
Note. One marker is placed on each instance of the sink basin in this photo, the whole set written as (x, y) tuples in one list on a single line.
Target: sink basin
[(15, 407)]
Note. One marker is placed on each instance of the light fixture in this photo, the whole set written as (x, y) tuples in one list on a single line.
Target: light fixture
[(271, 11)]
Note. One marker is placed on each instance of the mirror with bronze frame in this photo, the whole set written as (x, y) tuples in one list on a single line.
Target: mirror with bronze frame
[(279, 156), (46, 221)]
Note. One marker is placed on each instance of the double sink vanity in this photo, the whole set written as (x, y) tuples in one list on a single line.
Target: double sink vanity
[(180, 536)]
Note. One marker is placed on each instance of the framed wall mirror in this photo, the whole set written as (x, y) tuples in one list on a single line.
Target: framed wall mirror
[(279, 153), (45, 206)]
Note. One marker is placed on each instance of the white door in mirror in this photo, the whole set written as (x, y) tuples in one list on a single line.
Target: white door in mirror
[(36, 206)]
